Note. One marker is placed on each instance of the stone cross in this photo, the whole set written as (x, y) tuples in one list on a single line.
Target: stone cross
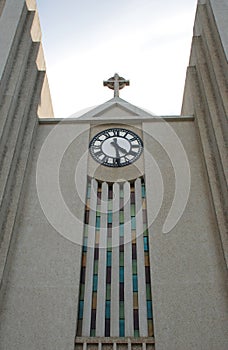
[(116, 83)]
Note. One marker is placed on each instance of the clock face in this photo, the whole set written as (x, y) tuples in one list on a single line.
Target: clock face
[(116, 147)]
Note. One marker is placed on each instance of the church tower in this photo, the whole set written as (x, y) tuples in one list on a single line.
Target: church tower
[(113, 224)]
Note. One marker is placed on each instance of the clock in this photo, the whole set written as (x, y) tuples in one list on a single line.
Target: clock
[(116, 147)]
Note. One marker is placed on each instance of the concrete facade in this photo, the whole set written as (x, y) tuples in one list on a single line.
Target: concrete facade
[(44, 167)]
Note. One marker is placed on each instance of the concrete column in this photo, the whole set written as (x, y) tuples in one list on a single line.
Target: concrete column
[(128, 288), (115, 262), (90, 261), (101, 291), (143, 329)]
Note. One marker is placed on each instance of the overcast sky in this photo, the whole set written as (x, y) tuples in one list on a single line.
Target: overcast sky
[(145, 41)]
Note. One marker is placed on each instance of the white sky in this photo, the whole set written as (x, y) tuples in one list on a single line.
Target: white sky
[(145, 41)]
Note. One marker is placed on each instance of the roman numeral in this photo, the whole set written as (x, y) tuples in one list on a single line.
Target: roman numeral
[(132, 153)]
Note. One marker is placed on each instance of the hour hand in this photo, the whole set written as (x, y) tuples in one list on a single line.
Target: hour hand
[(118, 147)]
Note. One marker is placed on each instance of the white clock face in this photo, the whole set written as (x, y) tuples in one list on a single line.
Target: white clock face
[(116, 147)]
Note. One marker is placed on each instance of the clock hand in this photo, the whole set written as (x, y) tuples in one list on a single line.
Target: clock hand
[(115, 144)]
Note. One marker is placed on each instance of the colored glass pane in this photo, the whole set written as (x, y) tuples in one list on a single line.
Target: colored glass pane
[(109, 258), (107, 327), (109, 218), (121, 291), (107, 308), (147, 260), (149, 309), (134, 267), (135, 283), (146, 246), (108, 292), (150, 328), (121, 310), (136, 333), (79, 328), (108, 274), (143, 191), (80, 312), (133, 223), (148, 292), (135, 300), (82, 290), (92, 332), (121, 230), (95, 267), (95, 279), (122, 326), (147, 269), (109, 205), (121, 258), (94, 301), (121, 274), (98, 222), (121, 218), (136, 319), (132, 209)]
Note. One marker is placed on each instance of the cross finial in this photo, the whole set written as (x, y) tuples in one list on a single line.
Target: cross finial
[(116, 83)]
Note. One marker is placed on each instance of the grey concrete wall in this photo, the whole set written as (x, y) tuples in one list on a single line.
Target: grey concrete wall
[(39, 306), (189, 274), (205, 96)]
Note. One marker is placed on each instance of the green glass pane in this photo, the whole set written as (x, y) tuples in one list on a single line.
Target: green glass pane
[(82, 290), (136, 333), (98, 213), (121, 310), (121, 193), (134, 267), (121, 217), (108, 292), (132, 209), (93, 332), (121, 258), (95, 267), (121, 230), (148, 292)]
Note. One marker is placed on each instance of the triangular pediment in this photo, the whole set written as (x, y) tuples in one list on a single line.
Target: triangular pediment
[(116, 108)]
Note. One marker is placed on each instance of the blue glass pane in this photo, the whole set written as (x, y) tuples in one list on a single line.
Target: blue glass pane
[(98, 222), (143, 192), (146, 247), (135, 283), (107, 309), (133, 223), (95, 277), (81, 306), (121, 274), (121, 230), (85, 240), (149, 309), (109, 218), (122, 331), (84, 248), (109, 258)]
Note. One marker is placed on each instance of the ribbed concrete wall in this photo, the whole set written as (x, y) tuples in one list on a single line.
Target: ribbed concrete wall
[(22, 78), (206, 97)]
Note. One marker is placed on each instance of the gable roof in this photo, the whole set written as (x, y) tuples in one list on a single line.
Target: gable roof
[(116, 108)]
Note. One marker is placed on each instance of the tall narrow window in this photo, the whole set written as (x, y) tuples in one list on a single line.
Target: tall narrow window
[(115, 289)]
